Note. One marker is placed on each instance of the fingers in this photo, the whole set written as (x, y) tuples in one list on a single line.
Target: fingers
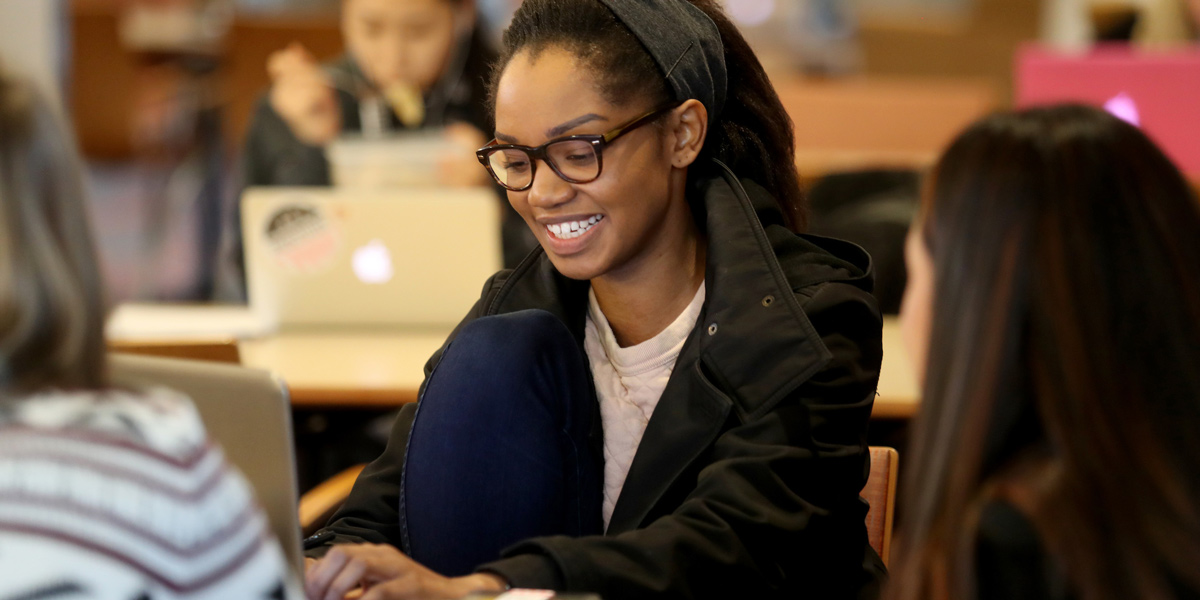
[(404, 588), (293, 59), (350, 578), (423, 584), (458, 166), (465, 135), (318, 578), (307, 103), (346, 567)]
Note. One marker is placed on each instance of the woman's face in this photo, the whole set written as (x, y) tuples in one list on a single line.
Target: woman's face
[(917, 307), (401, 41), (628, 216)]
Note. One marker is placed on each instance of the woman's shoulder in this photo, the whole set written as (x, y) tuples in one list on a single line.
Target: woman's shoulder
[(161, 420)]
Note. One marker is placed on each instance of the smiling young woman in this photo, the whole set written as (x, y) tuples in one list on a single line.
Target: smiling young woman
[(670, 397)]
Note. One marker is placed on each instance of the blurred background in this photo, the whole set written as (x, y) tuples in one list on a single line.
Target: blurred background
[(160, 93)]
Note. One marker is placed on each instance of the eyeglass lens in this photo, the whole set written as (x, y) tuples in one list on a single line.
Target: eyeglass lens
[(574, 160)]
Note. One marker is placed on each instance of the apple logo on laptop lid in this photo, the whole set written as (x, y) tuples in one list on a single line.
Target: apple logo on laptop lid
[(372, 263)]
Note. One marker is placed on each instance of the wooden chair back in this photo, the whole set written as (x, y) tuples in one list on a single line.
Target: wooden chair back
[(880, 493)]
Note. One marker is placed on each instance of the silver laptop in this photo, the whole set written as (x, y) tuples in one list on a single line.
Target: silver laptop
[(405, 257), (248, 412)]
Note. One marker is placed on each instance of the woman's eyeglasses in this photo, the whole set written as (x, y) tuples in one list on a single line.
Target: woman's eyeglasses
[(576, 158)]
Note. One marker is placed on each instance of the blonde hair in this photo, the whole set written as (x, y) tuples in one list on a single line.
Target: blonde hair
[(51, 300)]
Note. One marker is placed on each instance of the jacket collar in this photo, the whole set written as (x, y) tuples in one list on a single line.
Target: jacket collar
[(752, 311)]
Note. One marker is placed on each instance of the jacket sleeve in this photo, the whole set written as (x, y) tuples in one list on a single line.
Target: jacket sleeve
[(775, 511), (274, 156), (371, 513)]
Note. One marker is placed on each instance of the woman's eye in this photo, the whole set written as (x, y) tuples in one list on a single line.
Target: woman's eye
[(516, 166), (580, 158)]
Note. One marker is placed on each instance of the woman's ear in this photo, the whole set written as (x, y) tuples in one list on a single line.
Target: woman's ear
[(689, 127)]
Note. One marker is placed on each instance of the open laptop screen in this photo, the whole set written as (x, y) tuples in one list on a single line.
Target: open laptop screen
[(1157, 90)]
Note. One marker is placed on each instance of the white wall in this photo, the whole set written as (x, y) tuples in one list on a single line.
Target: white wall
[(32, 42)]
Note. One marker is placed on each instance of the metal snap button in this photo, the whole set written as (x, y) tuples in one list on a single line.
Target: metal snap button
[(712, 329), (769, 300)]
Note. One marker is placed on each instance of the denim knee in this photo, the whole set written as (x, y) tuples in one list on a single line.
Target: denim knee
[(512, 359), (522, 334)]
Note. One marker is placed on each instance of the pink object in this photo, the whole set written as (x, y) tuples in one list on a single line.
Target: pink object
[(1156, 90), (1123, 107)]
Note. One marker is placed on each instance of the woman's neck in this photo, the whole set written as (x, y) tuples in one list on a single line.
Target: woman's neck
[(645, 297)]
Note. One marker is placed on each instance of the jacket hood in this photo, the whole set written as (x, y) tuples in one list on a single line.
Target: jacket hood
[(806, 259), (759, 275)]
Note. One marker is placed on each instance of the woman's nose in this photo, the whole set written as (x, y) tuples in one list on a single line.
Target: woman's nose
[(548, 189)]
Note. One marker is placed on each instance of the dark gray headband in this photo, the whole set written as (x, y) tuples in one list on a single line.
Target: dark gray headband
[(684, 42)]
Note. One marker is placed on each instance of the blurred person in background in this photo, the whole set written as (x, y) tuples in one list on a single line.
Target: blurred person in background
[(409, 64), (104, 492), (496, 15), (1053, 315), (794, 37)]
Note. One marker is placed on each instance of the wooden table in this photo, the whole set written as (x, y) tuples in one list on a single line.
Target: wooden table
[(385, 370), (346, 370)]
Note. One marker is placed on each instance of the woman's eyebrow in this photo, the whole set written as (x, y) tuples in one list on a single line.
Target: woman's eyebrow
[(557, 130)]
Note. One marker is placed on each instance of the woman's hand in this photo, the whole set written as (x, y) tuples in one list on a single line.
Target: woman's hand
[(302, 95), (460, 168), (385, 573)]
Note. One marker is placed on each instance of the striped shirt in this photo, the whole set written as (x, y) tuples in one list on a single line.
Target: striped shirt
[(122, 495)]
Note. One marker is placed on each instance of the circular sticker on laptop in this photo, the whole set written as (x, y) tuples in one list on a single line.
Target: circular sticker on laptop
[(301, 238)]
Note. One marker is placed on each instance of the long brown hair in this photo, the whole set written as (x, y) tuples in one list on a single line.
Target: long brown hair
[(51, 305), (753, 135), (1063, 374)]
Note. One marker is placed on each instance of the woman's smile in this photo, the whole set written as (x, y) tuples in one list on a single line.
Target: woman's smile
[(572, 234)]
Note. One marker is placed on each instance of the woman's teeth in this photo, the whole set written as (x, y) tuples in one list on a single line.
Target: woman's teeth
[(573, 229)]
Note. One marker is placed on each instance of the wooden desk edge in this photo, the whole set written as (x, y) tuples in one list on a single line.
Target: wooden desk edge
[(351, 399)]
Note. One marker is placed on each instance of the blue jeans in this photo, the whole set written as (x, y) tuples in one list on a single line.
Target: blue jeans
[(499, 450)]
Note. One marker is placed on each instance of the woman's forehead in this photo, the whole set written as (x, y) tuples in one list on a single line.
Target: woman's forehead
[(539, 92), (392, 8)]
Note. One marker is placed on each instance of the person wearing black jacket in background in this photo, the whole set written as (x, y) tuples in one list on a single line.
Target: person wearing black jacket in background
[(646, 149)]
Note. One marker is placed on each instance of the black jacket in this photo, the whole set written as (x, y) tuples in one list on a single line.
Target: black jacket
[(746, 482)]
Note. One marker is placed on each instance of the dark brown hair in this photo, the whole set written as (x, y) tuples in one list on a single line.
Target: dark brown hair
[(51, 306), (1063, 374), (753, 134)]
